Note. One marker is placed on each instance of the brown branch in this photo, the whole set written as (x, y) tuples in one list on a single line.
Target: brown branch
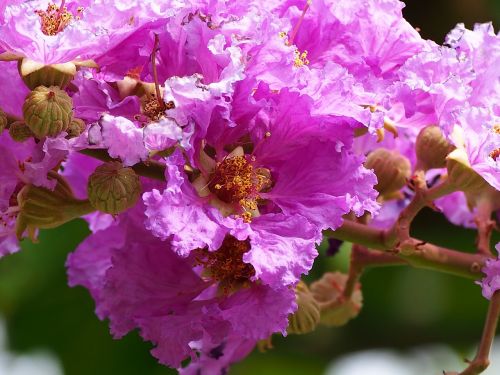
[(484, 226), (361, 259), (423, 197), (481, 360), (415, 252)]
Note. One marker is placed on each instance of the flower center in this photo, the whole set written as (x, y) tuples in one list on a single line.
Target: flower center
[(155, 109), (226, 265), (55, 19), (300, 58), (236, 181)]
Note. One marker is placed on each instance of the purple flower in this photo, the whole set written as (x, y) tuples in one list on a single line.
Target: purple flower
[(491, 282), (282, 165), (79, 30), (183, 305)]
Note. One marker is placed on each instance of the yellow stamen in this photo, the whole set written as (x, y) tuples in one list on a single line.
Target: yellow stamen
[(225, 265), (55, 19), (236, 181)]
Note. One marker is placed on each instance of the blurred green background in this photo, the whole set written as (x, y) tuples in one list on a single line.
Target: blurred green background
[(403, 307)]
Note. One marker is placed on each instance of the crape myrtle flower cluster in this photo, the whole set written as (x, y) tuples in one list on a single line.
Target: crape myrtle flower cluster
[(211, 145)]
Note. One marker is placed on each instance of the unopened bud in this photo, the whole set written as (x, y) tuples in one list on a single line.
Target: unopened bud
[(112, 188), (336, 310), (432, 148), (307, 316), (391, 168), (3, 120), (75, 128), (41, 208), (461, 175), (48, 111), (36, 74), (19, 131)]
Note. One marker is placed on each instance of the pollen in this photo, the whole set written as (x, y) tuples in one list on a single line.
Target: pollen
[(55, 19), (226, 265), (236, 181), (155, 109), (300, 59), (495, 154)]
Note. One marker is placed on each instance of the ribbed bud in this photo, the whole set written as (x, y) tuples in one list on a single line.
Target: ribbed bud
[(307, 316), (335, 309), (432, 148), (75, 128), (48, 111), (41, 208), (35, 74), (112, 188), (461, 174), (3, 120), (19, 131), (391, 168)]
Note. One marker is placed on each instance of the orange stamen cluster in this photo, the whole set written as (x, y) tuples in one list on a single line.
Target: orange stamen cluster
[(55, 19), (155, 109), (236, 181), (226, 265), (495, 154)]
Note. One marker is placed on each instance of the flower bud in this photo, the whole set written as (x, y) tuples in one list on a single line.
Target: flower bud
[(461, 174), (432, 148), (36, 74), (335, 309), (75, 128), (47, 111), (19, 131), (3, 120), (112, 188), (391, 168), (307, 316), (41, 208)]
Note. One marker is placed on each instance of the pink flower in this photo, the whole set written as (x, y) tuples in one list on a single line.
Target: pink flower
[(491, 282), (139, 282)]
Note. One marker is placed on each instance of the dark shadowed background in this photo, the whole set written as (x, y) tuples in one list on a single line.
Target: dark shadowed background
[(403, 307)]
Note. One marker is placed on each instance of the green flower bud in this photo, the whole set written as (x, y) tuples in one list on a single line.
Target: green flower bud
[(3, 120), (75, 128), (41, 208), (461, 174), (36, 74), (19, 131), (48, 111), (307, 316), (432, 148), (391, 168), (335, 309), (112, 188)]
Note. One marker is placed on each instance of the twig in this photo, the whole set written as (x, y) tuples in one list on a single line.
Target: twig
[(484, 226), (481, 360), (415, 252)]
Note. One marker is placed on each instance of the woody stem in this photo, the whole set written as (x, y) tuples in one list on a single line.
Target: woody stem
[(415, 252), (481, 360)]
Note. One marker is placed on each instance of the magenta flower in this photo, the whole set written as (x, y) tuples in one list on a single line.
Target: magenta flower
[(139, 282), (49, 33), (491, 282), (264, 180)]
